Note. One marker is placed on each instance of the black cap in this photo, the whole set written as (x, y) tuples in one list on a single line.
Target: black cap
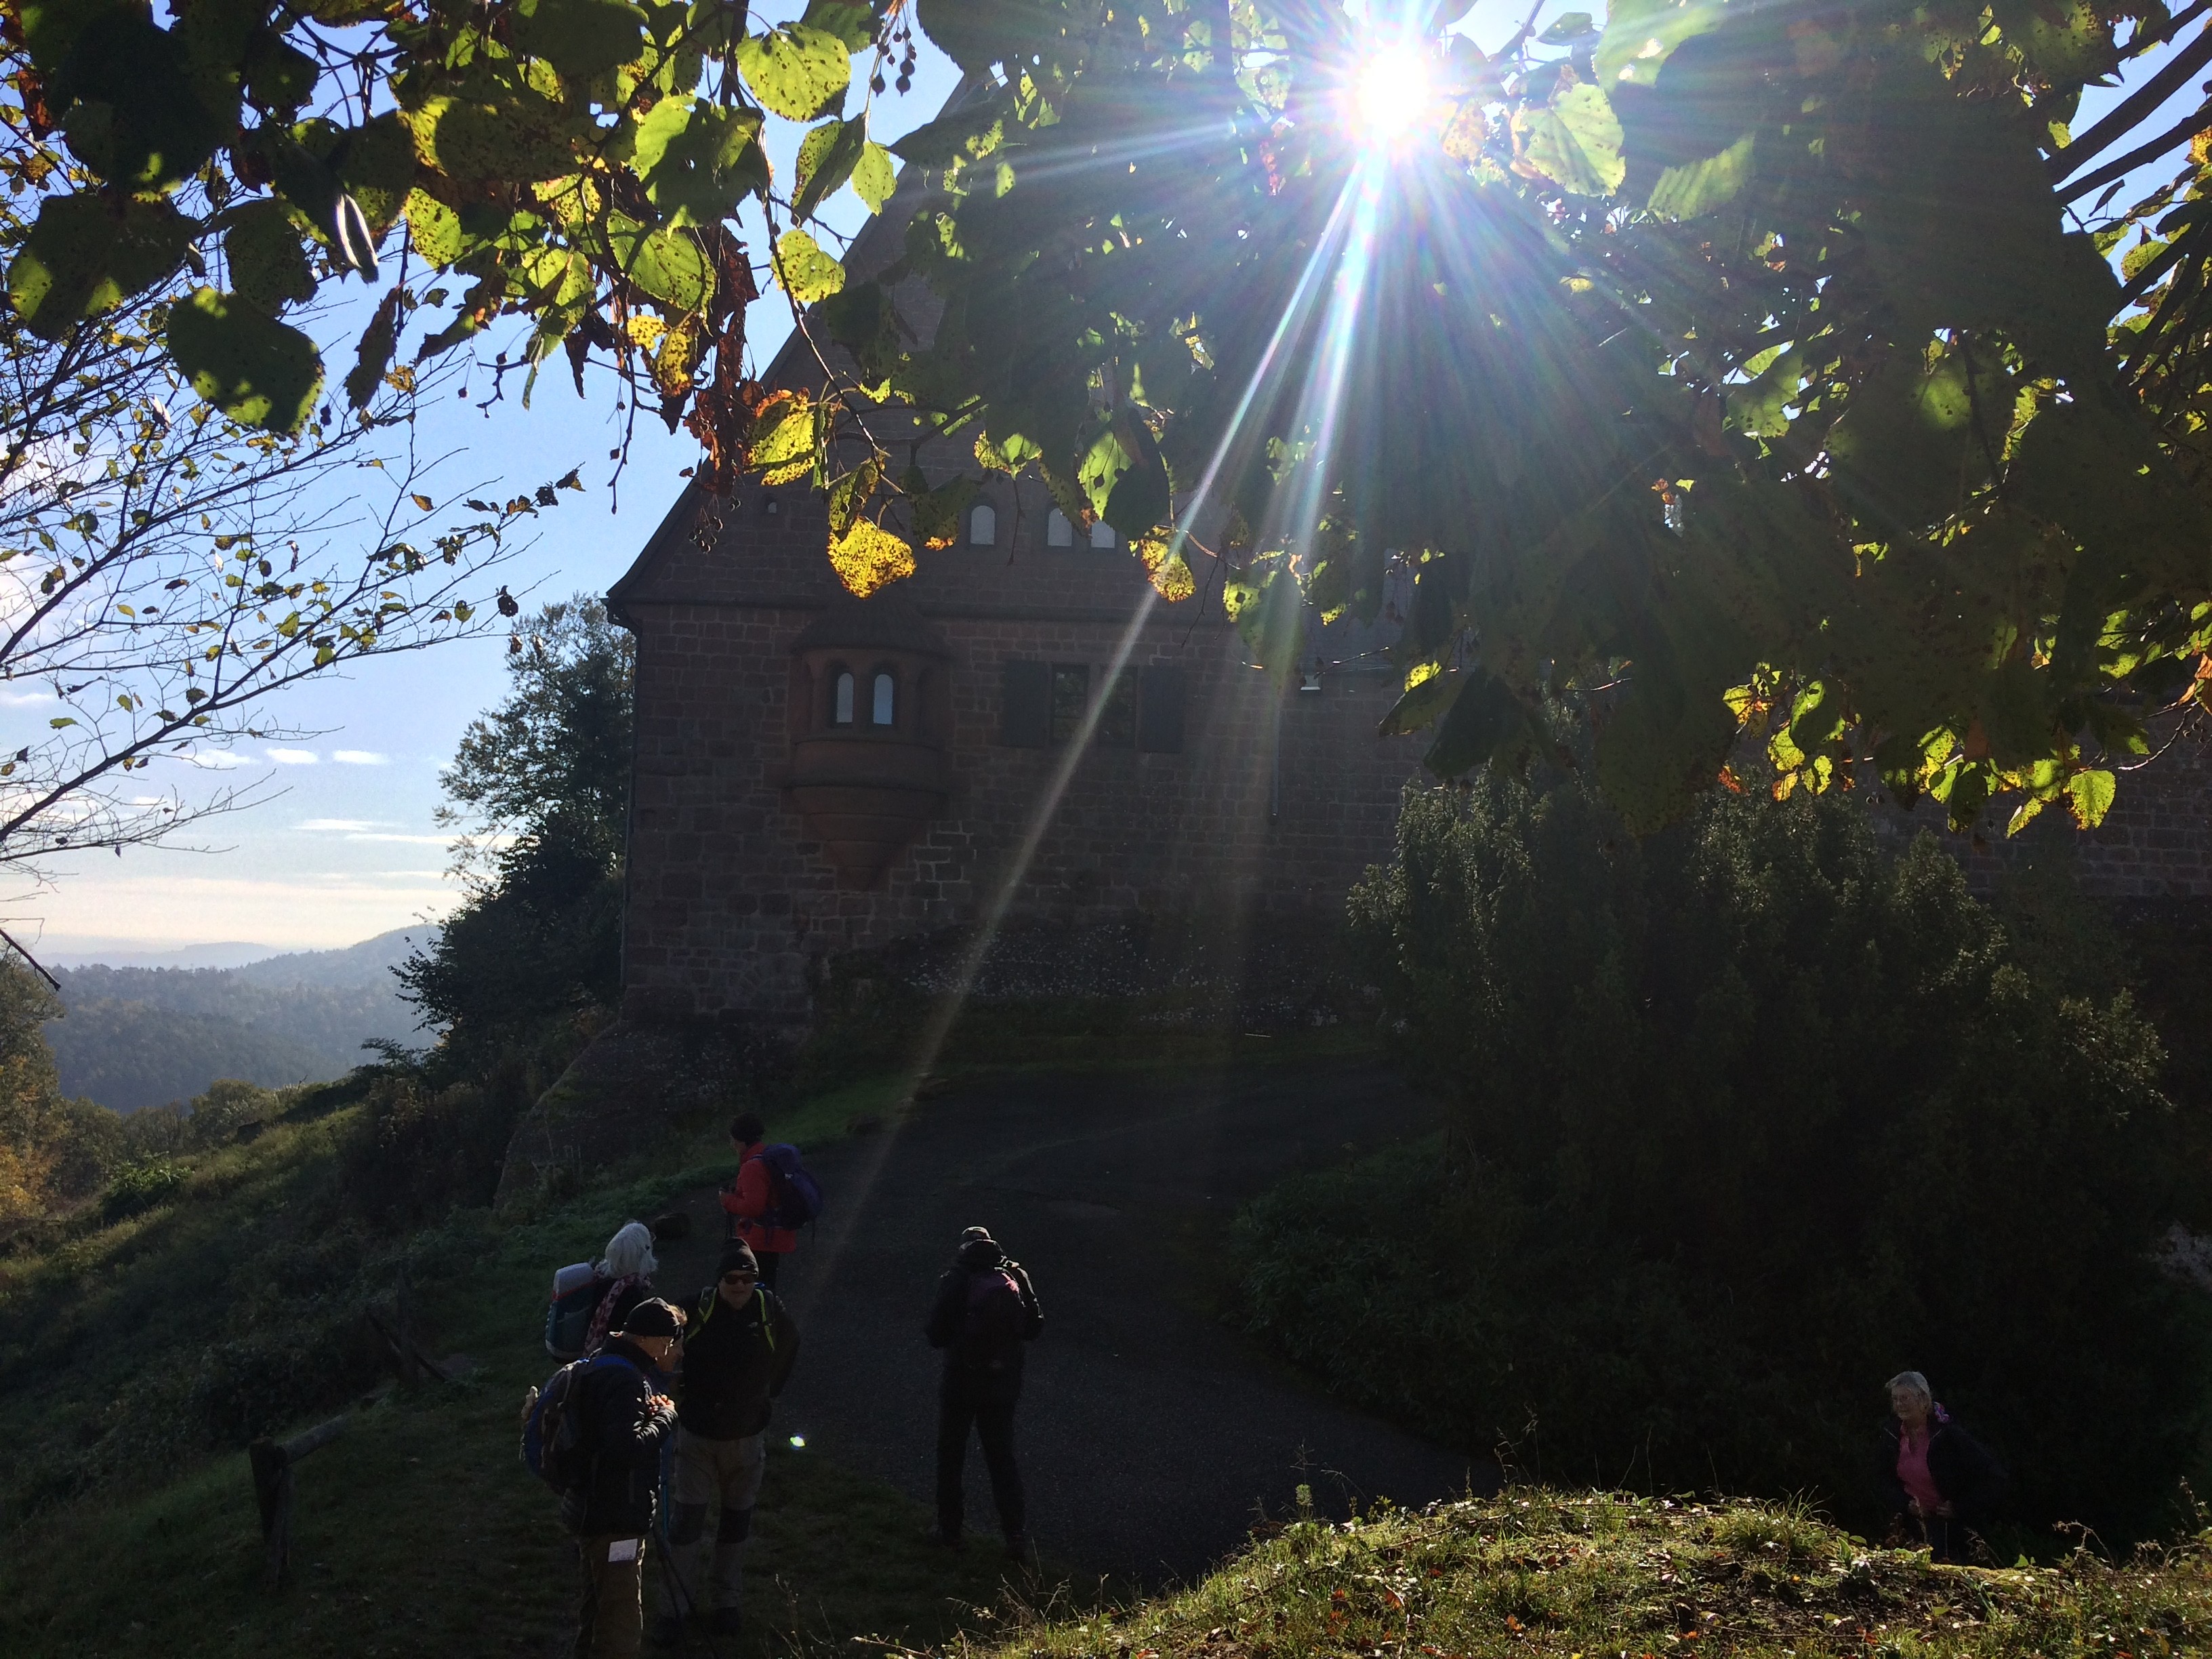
[(653, 1317), (737, 1256), (969, 1235)]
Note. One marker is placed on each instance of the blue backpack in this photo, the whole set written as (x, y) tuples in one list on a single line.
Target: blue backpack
[(794, 1196)]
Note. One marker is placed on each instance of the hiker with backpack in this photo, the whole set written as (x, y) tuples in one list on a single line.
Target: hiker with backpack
[(625, 1274), (986, 1310), (594, 1434), (772, 1198), (740, 1347)]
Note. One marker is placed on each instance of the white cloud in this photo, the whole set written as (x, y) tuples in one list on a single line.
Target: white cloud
[(359, 757), (294, 757), (219, 760), (337, 826), (10, 698), (403, 841)]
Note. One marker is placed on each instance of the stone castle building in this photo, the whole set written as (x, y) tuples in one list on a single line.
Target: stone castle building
[(1023, 734)]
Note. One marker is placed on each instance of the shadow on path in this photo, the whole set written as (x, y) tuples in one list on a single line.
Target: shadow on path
[(1149, 1434)]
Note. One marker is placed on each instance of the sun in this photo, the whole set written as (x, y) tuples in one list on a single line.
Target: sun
[(1391, 91)]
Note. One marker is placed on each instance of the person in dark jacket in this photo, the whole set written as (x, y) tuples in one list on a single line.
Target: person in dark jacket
[(1934, 1474), (623, 1418), (738, 1348), (986, 1310)]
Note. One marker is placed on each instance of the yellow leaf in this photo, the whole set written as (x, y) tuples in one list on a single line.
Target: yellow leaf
[(1166, 567), (867, 557), (643, 330)]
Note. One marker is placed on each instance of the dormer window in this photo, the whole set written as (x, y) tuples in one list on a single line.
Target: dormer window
[(883, 699), (983, 526), (1058, 531), (1102, 535), (841, 697)]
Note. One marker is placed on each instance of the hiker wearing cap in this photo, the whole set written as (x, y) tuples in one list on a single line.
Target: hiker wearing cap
[(1937, 1478), (756, 1217), (739, 1345), (986, 1310), (623, 1419)]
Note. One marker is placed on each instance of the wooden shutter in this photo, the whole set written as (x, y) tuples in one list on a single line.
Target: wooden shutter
[(1025, 704), (1159, 711)]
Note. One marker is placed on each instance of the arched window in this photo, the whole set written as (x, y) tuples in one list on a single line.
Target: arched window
[(1058, 533), (1102, 535), (841, 698), (883, 699), (983, 526)]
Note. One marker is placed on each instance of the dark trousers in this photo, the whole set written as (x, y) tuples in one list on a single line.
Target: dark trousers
[(986, 1404)]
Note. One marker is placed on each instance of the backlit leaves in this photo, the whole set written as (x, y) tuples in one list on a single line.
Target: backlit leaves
[(867, 557), (803, 270), (82, 258), (256, 371), (1575, 143), (796, 72)]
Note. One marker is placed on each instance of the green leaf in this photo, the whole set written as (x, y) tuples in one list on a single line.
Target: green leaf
[(826, 159), (267, 266), (1271, 618), (1567, 26), (580, 38), (852, 21), (1420, 704), (435, 229), (1576, 143), (795, 72), (143, 118), (1701, 187), (668, 265), (256, 371), (1641, 35), (784, 433), (1761, 406), (2092, 794), (805, 272), (1905, 450), (81, 259), (523, 137), (698, 161), (1484, 719), (873, 179), (375, 162)]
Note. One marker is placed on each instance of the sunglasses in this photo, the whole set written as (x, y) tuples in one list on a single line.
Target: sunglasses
[(740, 1279)]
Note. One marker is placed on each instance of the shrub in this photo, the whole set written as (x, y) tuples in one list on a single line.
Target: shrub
[(1742, 1119), (140, 1186)]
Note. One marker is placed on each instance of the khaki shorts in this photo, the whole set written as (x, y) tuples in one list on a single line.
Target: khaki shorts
[(718, 1474)]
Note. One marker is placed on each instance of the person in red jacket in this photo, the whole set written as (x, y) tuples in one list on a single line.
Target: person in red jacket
[(751, 1199)]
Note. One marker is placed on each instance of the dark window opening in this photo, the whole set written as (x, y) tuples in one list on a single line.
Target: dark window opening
[(1025, 705), (1117, 713), (1159, 723), (1071, 692)]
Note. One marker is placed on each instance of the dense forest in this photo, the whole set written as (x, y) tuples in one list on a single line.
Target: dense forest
[(135, 1037)]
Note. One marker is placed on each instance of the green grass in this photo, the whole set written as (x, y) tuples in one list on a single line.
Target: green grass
[(1591, 1576), (419, 1529)]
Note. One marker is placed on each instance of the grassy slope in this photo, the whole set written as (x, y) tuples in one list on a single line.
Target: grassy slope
[(420, 1526), (1581, 1574)]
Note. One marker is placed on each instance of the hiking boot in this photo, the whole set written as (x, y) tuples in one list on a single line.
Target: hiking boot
[(664, 1630), (724, 1621)]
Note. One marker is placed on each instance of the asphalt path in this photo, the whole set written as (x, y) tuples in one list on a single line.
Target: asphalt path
[(1151, 1434)]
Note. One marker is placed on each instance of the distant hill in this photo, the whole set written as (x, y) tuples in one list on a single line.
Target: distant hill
[(134, 1037), (230, 954)]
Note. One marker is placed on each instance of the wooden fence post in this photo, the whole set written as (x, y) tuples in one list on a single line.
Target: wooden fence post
[(273, 1462)]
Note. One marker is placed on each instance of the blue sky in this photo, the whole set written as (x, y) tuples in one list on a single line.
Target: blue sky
[(340, 844)]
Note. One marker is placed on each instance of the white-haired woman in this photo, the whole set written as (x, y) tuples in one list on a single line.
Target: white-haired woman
[(1934, 1474), (628, 1268)]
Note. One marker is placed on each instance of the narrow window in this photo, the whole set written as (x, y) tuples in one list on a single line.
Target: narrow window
[(983, 526), (840, 701), (1070, 690), (1025, 705), (1117, 711), (1159, 711), (1102, 535), (885, 699), (1058, 531)]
